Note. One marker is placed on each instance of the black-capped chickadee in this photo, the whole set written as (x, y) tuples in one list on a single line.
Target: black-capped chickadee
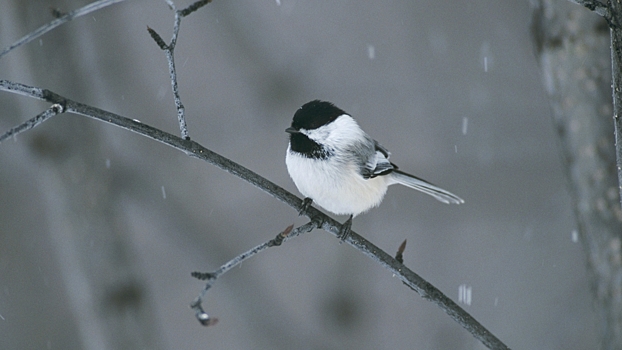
[(335, 164)]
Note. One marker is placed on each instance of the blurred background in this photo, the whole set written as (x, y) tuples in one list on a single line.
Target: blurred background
[(100, 228)]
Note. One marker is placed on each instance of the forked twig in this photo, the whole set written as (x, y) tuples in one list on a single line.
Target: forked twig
[(169, 49)]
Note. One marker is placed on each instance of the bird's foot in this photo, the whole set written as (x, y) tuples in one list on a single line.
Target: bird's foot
[(344, 232), (306, 203)]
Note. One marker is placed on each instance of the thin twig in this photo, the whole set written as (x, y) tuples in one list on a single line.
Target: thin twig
[(191, 148), (157, 38), (197, 5), (170, 57), (211, 277), (277, 241), (181, 110), (94, 6), (31, 123)]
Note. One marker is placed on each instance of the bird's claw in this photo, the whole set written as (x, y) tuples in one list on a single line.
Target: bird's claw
[(306, 203), (345, 230)]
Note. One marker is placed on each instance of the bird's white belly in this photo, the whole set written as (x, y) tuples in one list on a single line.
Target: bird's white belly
[(335, 186)]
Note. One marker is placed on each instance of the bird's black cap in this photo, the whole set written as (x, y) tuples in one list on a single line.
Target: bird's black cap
[(315, 114)]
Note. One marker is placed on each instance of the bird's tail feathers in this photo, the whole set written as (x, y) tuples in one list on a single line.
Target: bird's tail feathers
[(425, 187)]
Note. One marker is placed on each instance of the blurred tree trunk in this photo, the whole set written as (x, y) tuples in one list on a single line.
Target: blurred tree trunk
[(573, 48), (81, 197)]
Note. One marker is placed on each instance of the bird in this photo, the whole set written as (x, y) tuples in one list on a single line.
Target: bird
[(338, 166)]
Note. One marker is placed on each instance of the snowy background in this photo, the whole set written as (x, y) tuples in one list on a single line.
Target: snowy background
[(452, 88)]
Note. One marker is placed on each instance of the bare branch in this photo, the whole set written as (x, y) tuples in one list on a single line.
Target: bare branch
[(157, 38), (197, 5), (276, 241), (31, 123), (211, 277), (191, 148), (94, 6), (170, 57), (181, 110)]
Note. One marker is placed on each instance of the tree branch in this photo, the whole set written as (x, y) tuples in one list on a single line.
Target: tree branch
[(94, 6), (195, 6), (211, 277), (170, 57), (31, 123), (194, 149)]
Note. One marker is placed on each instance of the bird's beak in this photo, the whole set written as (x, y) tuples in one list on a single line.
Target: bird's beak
[(292, 130)]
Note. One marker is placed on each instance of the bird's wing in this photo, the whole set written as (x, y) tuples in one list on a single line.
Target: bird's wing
[(378, 164)]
